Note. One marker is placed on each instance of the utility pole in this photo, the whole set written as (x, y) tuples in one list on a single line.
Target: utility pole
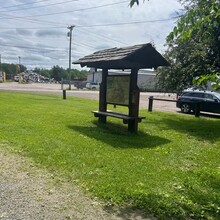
[(19, 69), (70, 36)]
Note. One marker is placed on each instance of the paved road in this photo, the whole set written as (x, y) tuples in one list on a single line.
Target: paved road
[(56, 89)]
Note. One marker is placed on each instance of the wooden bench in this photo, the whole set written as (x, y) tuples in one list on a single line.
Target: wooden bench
[(123, 116)]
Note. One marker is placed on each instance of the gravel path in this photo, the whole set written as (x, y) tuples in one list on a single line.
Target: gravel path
[(30, 193), (56, 89)]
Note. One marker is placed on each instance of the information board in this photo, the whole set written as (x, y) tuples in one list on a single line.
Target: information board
[(118, 89)]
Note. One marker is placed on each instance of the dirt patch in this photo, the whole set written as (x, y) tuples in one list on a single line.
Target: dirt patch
[(30, 193)]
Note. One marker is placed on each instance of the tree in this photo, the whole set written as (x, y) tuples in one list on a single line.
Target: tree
[(194, 46), (78, 75), (43, 72), (22, 68), (37, 70), (11, 68), (58, 73)]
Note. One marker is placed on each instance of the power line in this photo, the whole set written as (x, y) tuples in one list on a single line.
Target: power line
[(32, 48), (95, 25), (55, 23), (82, 9), (126, 23), (83, 44), (76, 42), (40, 6), (102, 36), (32, 20), (30, 28), (25, 4), (103, 25)]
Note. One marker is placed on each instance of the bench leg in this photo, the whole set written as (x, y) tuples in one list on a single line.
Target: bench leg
[(102, 119)]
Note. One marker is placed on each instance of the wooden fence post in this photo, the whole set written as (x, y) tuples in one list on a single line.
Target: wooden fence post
[(64, 94), (150, 105)]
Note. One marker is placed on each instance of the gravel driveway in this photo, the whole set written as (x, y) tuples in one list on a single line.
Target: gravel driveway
[(56, 89)]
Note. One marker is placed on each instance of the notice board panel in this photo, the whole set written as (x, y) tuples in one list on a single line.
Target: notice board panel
[(118, 89)]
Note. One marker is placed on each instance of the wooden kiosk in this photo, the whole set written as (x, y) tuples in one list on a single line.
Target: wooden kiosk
[(133, 58)]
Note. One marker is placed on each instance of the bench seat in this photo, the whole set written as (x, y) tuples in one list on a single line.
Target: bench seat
[(123, 116)]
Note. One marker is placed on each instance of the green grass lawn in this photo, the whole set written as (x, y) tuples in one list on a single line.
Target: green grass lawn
[(170, 169)]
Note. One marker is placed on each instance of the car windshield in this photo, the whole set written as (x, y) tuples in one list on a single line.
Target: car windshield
[(193, 94), (217, 95)]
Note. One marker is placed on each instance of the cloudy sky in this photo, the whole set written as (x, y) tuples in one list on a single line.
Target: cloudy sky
[(36, 30)]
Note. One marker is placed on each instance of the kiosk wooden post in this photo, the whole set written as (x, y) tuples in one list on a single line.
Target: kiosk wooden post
[(102, 95), (133, 101)]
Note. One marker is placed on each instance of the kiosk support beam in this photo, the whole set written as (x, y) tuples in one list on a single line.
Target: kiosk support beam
[(133, 101), (102, 95)]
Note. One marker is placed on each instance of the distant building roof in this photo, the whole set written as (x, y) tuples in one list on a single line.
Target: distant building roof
[(139, 56)]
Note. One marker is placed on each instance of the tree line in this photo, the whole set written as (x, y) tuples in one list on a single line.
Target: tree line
[(59, 73), (55, 72), (12, 69)]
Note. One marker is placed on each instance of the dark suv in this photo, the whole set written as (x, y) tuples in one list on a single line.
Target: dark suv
[(208, 101)]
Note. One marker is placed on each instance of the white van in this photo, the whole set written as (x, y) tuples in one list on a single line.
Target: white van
[(92, 85)]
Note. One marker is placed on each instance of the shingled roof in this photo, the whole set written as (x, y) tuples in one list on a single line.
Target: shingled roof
[(138, 56)]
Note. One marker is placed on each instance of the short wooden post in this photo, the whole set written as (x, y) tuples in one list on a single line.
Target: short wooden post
[(197, 109), (150, 105), (64, 94)]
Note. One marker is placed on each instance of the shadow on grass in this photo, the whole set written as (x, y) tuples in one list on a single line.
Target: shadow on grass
[(204, 114), (117, 136), (209, 115), (201, 128)]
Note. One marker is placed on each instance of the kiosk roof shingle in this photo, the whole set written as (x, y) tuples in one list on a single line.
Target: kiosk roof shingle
[(137, 56)]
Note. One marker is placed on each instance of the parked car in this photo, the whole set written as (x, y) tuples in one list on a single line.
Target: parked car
[(92, 85), (80, 84), (16, 78), (208, 101)]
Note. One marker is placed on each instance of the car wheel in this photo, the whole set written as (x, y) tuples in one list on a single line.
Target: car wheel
[(185, 108)]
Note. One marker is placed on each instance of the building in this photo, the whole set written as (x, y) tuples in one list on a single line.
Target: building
[(147, 79)]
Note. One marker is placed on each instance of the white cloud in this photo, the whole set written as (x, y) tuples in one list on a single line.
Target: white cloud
[(42, 40)]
